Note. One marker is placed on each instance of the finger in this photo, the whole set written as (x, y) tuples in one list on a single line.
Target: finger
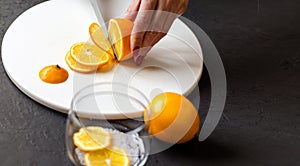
[(162, 21), (132, 10), (180, 8), (158, 21), (154, 31), (184, 7), (169, 21), (150, 39), (141, 23), (161, 15), (160, 28)]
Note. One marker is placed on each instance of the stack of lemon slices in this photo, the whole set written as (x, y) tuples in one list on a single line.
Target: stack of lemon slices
[(86, 57), (98, 55), (95, 142)]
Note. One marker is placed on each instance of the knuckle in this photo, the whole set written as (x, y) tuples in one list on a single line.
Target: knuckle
[(157, 27), (143, 17)]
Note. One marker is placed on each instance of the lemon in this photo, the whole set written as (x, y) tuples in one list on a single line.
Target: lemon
[(114, 156), (92, 138), (174, 118), (71, 62)]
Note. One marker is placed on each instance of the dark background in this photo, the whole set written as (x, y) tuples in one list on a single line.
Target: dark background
[(259, 43)]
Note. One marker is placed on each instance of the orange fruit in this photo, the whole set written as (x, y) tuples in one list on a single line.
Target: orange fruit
[(92, 138), (119, 31), (71, 62), (98, 37), (88, 54), (174, 119), (110, 157), (53, 74), (88, 57)]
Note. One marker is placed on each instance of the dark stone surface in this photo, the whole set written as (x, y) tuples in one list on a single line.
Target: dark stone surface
[(259, 45)]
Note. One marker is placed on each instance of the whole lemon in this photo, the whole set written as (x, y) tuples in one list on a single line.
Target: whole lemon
[(173, 119)]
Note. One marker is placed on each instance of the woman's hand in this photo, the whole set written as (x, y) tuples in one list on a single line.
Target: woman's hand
[(152, 21)]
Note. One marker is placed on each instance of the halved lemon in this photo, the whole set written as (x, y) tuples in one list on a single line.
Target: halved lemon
[(92, 138), (71, 62), (98, 37), (114, 156), (119, 31), (88, 54)]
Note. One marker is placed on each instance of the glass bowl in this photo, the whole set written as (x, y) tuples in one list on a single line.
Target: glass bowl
[(117, 108)]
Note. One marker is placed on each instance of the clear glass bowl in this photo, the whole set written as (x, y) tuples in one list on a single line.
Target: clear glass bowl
[(120, 110)]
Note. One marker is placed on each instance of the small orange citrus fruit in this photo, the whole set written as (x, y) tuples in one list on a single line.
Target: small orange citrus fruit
[(53, 74)]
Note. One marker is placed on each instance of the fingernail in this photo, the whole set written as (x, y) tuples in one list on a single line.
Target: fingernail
[(139, 60)]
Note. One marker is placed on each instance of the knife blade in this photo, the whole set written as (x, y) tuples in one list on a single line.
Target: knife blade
[(97, 10)]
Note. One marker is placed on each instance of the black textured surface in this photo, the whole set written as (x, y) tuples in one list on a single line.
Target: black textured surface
[(259, 42)]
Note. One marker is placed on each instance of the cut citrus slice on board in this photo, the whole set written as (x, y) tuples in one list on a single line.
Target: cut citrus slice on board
[(98, 37), (88, 54), (119, 31), (92, 138), (71, 62), (107, 66), (108, 157)]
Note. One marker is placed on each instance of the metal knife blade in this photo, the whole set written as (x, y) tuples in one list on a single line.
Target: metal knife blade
[(96, 6)]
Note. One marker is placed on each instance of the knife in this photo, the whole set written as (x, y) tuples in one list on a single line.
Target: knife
[(96, 6)]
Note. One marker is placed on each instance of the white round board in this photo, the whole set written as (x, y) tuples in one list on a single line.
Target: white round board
[(42, 36)]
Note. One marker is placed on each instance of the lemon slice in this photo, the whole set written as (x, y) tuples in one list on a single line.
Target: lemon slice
[(71, 62), (98, 37), (88, 54), (114, 156), (107, 66), (92, 138)]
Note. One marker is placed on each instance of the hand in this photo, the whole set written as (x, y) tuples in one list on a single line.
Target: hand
[(152, 21)]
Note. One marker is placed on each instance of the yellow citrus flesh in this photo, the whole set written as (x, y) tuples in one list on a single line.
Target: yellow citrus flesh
[(174, 119), (92, 138), (107, 66), (88, 54), (119, 31), (71, 62), (107, 157), (98, 37)]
